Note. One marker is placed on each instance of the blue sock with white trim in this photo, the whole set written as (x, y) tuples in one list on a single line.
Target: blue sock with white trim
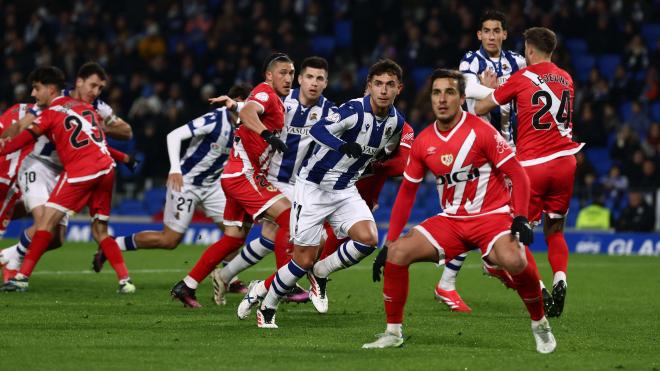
[(250, 255), (448, 280), (23, 243), (127, 243), (285, 279), (348, 254)]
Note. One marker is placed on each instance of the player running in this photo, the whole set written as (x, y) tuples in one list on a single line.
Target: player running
[(488, 65), (249, 194), (193, 180), (469, 159), (88, 176), (361, 130), (305, 106), (544, 95)]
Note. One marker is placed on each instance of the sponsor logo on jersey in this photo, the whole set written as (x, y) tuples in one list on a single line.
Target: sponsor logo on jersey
[(502, 145), (458, 177), (369, 150), (447, 159), (431, 150), (296, 130)]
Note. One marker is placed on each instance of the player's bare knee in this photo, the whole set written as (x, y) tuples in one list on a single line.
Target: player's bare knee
[(397, 253), (515, 263)]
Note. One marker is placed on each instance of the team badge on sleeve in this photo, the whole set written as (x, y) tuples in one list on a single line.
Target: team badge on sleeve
[(333, 117), (262, 96)]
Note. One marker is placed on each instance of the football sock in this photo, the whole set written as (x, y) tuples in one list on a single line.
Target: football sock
[(557, 252), (23, 243), (448, 279), (284, 281), (40, 242), (250, 255), (395, 291), (395, 328), (213, 255), (529, 289), (283, 247), (559, 276), (348, 254), (113, 254), (331, 243), (190, 282), (127, 243)]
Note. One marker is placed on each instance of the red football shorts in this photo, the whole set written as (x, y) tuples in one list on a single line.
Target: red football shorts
[(370, 187), (454, 236), (95, 193), (552, 187), (248, 198)]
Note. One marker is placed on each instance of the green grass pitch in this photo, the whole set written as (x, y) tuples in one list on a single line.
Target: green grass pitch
[(72, 319)]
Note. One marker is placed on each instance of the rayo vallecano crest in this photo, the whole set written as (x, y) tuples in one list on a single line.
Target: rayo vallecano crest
[(447, 159)]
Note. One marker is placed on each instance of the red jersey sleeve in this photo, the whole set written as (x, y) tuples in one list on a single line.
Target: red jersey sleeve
[(260, 96), (407, 136), (42, 124), (507, 91), (415, 168)]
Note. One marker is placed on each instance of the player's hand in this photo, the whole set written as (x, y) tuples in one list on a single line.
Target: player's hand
[(522, 230), (175, 182), (274, 141), (489, 79), (104, 110), (224, 100), (352, 149), (132, 163), (379, 262)]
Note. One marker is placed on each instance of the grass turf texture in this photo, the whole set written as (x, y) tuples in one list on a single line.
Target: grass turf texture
[(72, 318)]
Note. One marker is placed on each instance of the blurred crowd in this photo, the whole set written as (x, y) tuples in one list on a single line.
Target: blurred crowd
[(165, 58)]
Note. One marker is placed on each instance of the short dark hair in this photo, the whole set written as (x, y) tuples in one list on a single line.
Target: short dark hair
[(541, 38), (493, 15), (315, 62), (48, 76), (240, 91), (92, 68), (274, 58), (442, 73), (385, 66)]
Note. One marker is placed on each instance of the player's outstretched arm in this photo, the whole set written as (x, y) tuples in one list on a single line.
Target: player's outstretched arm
[(249, 116), (474, 89), (23, 139), (174, 139), (117, 128), (483, 106), (226, 101), (20, 126)]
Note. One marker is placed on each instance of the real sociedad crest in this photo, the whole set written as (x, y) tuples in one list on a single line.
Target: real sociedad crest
[(313, 116), (447, 159), (388, 131)]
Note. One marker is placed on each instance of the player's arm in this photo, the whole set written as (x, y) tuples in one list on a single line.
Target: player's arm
[(113, 126), (23, 123), (395, 165), (474, 89), (24, 138), (174, 139), (327, 131), (500, 96), (226, 101), (249, 116)]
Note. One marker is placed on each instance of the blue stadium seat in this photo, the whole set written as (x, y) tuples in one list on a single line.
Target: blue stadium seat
[(650, 34), (583, 64), (607, 65), (420, 75), (323, 45), (625, 111), (154, 200), (343, 33), (130, 207), (655, 111), (576, 46), (600, 158)]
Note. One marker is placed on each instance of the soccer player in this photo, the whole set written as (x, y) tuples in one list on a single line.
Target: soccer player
[(249, 194), (39, 171), (544, 95), (305, 106), (490, 62), (469, 159), (193, 180), (347, 140), (87, 179)]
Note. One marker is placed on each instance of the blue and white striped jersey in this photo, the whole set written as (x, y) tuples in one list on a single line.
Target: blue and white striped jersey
[(355, 122), (298, 120), (213, 137), (508, 63)]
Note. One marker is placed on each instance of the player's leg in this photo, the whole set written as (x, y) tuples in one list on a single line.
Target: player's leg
[(9, 194), (39, 244), (445, 290), (415, 246), (516, 259)]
